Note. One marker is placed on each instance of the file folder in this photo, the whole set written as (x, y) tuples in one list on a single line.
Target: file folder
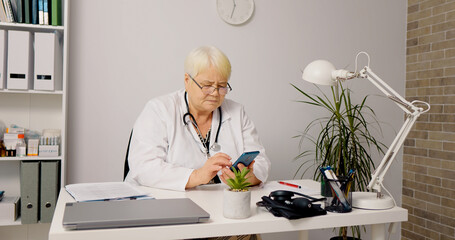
[(46, 12), (49, 189), (34, 12), (41, 12), (27, 11), (56, 12), (30, 171), (18, 10), (3, 46), (48, 61), (20, 60), (3, 17)]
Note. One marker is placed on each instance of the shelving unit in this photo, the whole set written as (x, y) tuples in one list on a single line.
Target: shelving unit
[(35, 110)]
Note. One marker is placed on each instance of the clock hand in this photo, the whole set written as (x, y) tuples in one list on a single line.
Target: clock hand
[(232, 13)]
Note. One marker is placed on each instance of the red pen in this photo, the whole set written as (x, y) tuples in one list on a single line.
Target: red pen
[(289, 184)]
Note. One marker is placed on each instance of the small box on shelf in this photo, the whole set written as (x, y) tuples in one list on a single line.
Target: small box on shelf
[(32, 147), (48, 150), (9, 209), (49, 143)]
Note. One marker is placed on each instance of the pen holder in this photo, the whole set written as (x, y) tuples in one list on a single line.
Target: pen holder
[(333, 189)]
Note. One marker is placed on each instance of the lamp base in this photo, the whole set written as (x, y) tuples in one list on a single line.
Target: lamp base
[(370, 201)]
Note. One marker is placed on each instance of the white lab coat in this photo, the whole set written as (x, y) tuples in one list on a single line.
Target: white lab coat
[(164, 151)]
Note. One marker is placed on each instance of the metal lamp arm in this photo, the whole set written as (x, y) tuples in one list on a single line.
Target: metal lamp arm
[(404, 104), (377, 178), (412, 113)]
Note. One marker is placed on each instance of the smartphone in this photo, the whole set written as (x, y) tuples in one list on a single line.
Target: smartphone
[(246, 158)]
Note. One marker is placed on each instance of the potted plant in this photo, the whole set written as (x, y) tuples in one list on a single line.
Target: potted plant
[(237, 199), (344, 140)]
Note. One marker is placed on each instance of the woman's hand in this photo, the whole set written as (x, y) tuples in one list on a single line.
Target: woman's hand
[(251, 178), (204, 174)]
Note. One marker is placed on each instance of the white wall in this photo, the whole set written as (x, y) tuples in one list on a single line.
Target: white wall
[(122, 53)]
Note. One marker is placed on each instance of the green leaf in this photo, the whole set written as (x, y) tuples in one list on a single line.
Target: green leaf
[(239, 182)]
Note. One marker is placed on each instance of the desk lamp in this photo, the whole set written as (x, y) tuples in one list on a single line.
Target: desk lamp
[(323, 72)]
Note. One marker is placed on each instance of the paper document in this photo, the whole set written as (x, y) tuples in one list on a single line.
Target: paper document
[(104, 191)]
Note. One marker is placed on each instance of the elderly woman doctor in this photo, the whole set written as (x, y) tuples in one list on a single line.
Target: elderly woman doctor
[(192, 136)]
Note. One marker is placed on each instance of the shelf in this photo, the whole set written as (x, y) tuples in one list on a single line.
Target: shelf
[(16, 223), (10, 223), (29, 158), (58, 92), (31, 27)]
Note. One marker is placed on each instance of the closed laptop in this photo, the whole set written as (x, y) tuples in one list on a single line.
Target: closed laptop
[(132, 213)]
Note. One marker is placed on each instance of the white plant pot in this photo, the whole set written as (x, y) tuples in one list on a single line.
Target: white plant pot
[(236, 205)]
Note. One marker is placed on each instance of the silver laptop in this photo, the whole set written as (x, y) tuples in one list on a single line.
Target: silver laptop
[(132, 213)]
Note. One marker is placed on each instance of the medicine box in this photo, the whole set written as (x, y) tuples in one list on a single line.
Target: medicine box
[(48, 150), (9, 209), (32, 147)]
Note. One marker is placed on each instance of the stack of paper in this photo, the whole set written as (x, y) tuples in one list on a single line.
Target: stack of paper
[(104, 191)]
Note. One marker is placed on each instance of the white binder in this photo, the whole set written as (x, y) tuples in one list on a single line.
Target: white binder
[(48, 61), (20, 60), (3, 46)]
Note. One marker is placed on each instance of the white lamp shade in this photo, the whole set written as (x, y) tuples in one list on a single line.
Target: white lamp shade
[(319, 72)]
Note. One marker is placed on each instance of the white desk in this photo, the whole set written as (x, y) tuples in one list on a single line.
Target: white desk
[(210, 198)]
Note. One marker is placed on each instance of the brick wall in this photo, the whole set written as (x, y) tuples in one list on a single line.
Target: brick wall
[(429, 152)]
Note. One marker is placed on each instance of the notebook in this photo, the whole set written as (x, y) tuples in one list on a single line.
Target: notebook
[(132, 213)]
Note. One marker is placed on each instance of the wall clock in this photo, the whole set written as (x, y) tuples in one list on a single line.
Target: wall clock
[(235, 12)]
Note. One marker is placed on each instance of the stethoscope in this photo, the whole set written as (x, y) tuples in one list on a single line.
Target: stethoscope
[(215, 146)]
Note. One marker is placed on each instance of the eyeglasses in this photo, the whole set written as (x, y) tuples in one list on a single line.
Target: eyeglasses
[(209, 89)]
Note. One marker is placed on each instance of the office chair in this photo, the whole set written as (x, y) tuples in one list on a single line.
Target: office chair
[(126, 168)]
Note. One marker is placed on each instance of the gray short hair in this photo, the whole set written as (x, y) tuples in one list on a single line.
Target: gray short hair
[(202, 58)]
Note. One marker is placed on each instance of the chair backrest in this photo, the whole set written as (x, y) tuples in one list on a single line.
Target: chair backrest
[(126, 168)]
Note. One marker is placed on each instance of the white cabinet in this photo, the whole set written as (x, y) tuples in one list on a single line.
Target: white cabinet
[(35, 110)]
